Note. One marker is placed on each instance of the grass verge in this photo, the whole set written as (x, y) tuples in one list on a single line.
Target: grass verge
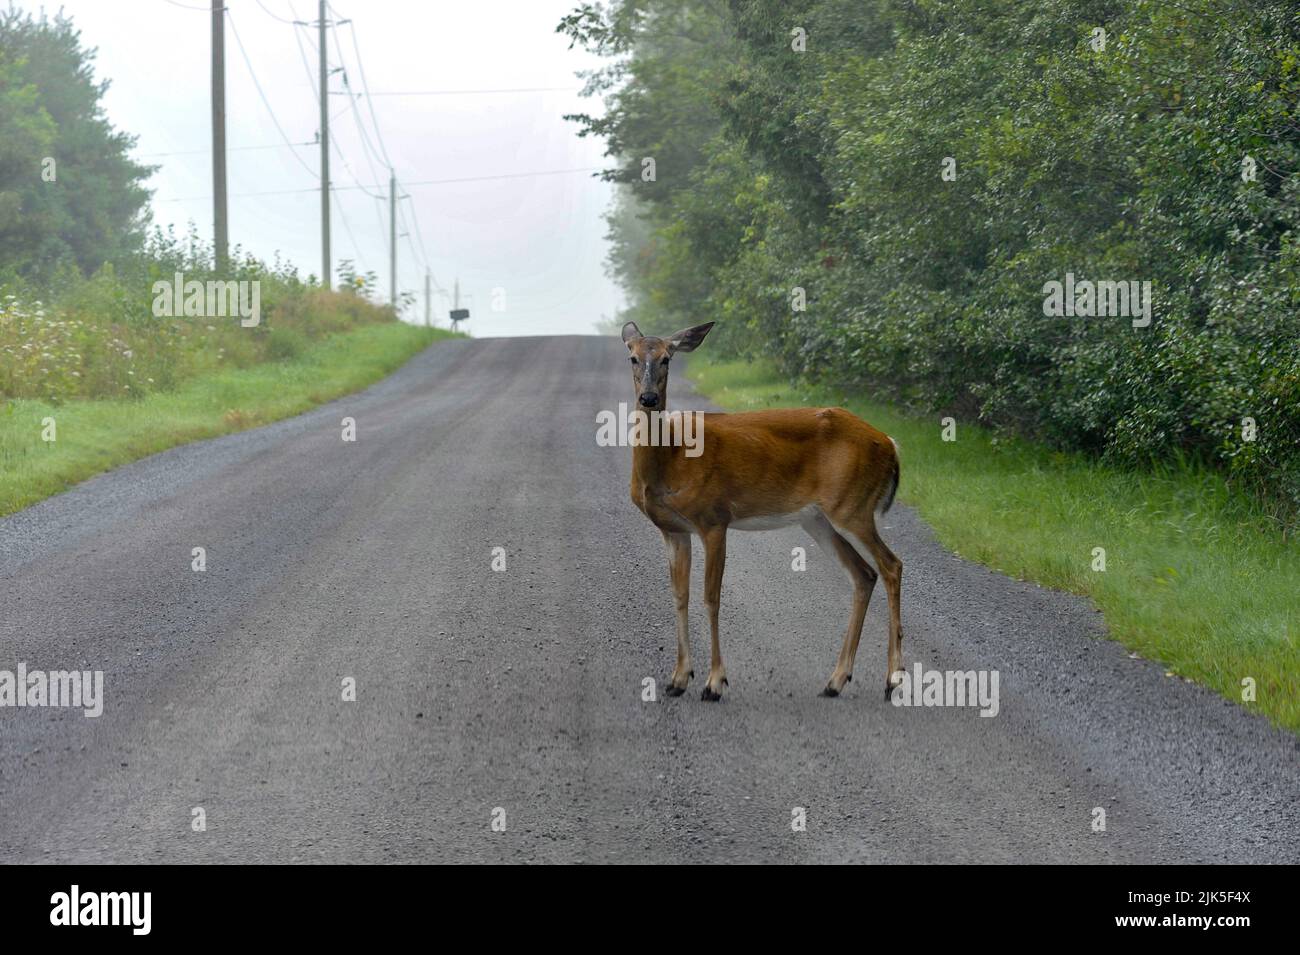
[(1194, 578), (92, 436)]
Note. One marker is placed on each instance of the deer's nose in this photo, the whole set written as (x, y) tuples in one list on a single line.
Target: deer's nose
[(649, 400)]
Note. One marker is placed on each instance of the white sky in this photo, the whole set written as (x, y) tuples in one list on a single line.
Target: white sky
[(540, 239)]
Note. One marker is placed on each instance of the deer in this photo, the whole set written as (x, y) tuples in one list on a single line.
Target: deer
[(822, 468)]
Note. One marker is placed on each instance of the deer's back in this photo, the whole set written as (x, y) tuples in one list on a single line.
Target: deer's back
[(779, 461)]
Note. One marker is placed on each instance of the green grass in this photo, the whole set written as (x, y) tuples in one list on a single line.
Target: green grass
[(96, 435), (1194, 577)]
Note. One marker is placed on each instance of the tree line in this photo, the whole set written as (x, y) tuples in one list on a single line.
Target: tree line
[(71, 197), (882, 192)]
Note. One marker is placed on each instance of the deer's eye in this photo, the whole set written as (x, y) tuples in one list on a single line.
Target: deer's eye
[(664, 363), (633, 359)]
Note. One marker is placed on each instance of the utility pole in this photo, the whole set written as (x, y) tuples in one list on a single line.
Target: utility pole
[(325, 271), (457, 313), (428, 301), (220, 227), (392, 239)]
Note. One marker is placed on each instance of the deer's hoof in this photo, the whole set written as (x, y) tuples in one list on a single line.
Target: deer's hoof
[(709, 696), (672, 690), (830, 691)]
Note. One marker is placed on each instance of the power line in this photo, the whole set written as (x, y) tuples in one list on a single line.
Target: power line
[(302, 55), (415, 254), (353, 175), (416, 219), (371, 154), (406, 234), (424, 255), (373, 195), (418, 272), (247, 62), (338, 151), (229, 149), (311, 77), (365, 149), (355, 181), (509, 175), (270, 14), (299, 38), (365, 86), (522, 89), (418, 182), (348, 228), (368, 150), (406, 229)]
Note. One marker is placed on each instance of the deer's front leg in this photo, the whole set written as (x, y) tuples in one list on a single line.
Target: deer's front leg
[(679, 568), (715, 558)]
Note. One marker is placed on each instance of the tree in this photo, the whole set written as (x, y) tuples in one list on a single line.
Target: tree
[(94, 209), (918, 170)]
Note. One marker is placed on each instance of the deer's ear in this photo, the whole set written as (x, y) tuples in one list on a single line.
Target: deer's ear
[(688, 338), (630, 332)]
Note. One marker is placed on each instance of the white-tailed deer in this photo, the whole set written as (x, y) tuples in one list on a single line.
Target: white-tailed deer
[(822, 468)]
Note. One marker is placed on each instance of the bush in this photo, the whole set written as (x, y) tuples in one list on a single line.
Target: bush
[(1162, 149), (97, 337)]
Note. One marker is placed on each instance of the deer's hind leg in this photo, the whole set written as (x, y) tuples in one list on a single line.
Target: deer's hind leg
[(861, 531), (863, 577)]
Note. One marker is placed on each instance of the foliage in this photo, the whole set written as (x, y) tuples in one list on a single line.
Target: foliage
[(99, 337), (88, 206), (1115, 156), (1195, 580), (96, 435)]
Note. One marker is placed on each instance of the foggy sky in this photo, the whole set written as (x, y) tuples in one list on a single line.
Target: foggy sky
[(540, 239)]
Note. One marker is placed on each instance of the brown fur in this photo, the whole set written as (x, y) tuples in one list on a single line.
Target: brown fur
[(760, 464)]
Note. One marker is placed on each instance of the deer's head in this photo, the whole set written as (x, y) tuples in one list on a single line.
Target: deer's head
[(650, 357)]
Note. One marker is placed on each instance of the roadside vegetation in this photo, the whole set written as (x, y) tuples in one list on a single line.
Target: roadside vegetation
[(95, 435), (1196, 576), (93, 373), (877, 192), (872, 198), (98, 336)]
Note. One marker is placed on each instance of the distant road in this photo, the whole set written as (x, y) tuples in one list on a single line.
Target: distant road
[(522, 690)]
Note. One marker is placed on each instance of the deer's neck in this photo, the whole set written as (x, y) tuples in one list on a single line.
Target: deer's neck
[(652, 459), (650, 465)]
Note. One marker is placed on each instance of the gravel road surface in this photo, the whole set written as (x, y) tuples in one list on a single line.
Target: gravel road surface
[(517, 695)]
